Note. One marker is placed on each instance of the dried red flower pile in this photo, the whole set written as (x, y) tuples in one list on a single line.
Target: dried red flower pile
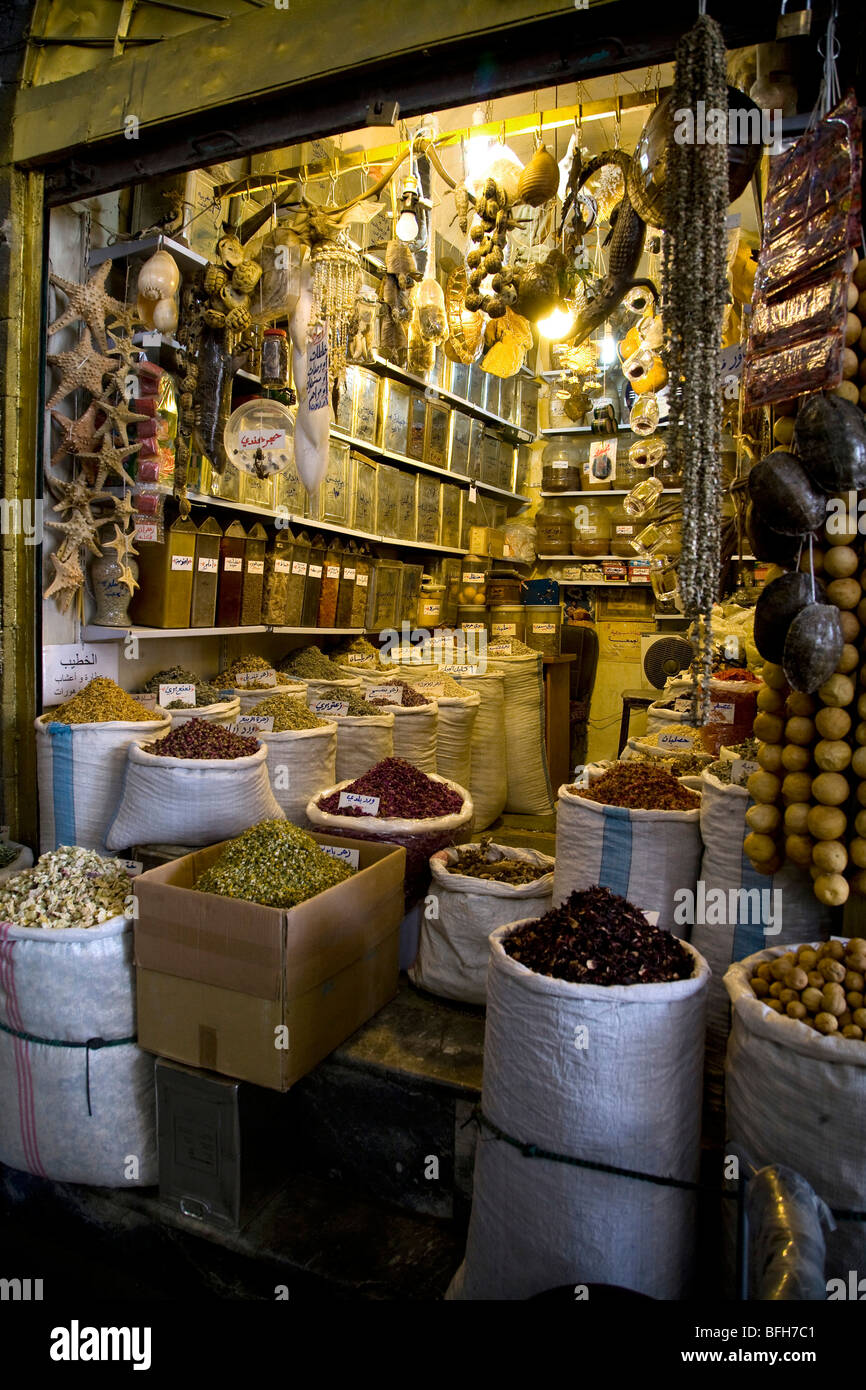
[(640, 787), (598, 938), (200, 738), (404, 792)]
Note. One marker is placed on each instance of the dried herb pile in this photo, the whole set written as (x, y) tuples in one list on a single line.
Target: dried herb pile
[(640, 787), (289, 713), (274, 863), (482, 861), (311, 664), (7, 854), (68, 887), (515, 647), (451, 689), (410, 697), (101, 701), (358, 705), (247, 665), (404, 792), (680, 765), (681, 730), (200, 738), (205, 692), (599, 938), (366, 656)]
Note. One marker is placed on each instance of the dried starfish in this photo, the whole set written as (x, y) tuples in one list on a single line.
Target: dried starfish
[(126, 577), (111, 459), (90, 302), (68, 579), (74, 495), (78, 435), (120, 416), (81, 366), (121, 541), (124, 508), (79, 530)]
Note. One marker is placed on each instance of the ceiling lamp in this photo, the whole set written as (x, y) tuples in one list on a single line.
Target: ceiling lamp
[(407, 222), (558, 323)]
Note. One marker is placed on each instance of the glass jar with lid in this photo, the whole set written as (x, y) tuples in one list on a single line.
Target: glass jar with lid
[(561, 467), (554, 529), (591, 529), (275, 358), (623, 529)]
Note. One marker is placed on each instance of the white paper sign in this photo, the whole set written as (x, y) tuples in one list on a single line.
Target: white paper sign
[(208, 564), (233, 564), (182, 562), (68, 668), (544, 627), (332, 571), (299, 567), (337, 707), (369, 805), (723, 713), (498, 649), (265, 677), (132, 866), (460, 668), (601, 466), (356, 659), (146, 531), (504, 630), (255, 566), (742, 769), (252, 724), (175, 690), (393, 694), (362, 580), (282, 567), (678, 743), (473, 578), (352, 857)]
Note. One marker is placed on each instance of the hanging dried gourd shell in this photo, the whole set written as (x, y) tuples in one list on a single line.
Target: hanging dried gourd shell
[(539, 180)]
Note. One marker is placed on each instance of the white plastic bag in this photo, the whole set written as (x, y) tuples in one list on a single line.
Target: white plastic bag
[(796, 1096), (191, 801), (644, 856), (300, 763), (80, 769), (362, 741), (606, 1074), (488, 778), (70, 1111), (454, 949), (529, 789)]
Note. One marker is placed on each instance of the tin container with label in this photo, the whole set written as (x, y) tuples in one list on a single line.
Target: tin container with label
[(386, 501), (205, 579), (437, 436), (337, 484), (459, 380), (507, 397), (289, 492), (410, 590), (543, 625), (257, 492), (394, 400), (226, 485), (364, 496), (364, 569), (451, 511), (461, 431), (254, 575), (429, 611), (406, 508), (329, 592), (346, 594), (477, 385), (427, 503), (344, 418), (366, 405), (490, 458), (278, 578), (417, 425), (385, 590), (165, 574), (297, 581), (232, 550), (473, 617), (492, 394), (476, 448), (507, 620), (313, 582)]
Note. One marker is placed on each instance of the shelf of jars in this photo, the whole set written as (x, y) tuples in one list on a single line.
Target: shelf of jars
[(606, 492), (434, 391), (369, 448), (93, 632), (587, 429)]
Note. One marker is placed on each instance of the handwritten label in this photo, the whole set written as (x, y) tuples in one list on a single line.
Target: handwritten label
[(679, 743), (146, 531), (182, 562), (68, 667), (473, 578), (299, 567), (337, 707), (174, 690), (253, 724), (362, 580), (132, 866), (357, 659), (208, 564), (314, 571), (459, 668), (503, 629), (436, 692), (318, 392), (499, 649), (348, 574), (282, 567), (233, 564), (147, 699), (544, 627), (369, 805), (266, 677), (332, 571), (473, 493), (255, 566), (742, 769), (352, 857), (561, 463), (430, 609), (723, 713), (572, 572), (625, 530), (392, 694), (473, 627), (252, 440)]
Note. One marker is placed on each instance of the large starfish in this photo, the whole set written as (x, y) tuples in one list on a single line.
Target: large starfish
[(126, 577), (120, 416), (122, 542), (124, 508), (90, 302), (74, 495), (68, 579), (81, 366), (78, 529), (111, 459), (78, 435)]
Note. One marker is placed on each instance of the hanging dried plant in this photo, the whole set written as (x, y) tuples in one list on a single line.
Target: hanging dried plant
[(694, 274)]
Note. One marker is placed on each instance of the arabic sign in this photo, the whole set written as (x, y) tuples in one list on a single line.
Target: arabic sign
[(67, 668)]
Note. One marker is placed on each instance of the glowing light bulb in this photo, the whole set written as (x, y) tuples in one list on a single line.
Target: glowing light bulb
[(407, 226), (557, 324), (607, 351)]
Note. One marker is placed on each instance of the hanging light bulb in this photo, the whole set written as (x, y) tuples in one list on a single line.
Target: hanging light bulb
[(607, 351), (477, 151), (407, 223), (558, 323)]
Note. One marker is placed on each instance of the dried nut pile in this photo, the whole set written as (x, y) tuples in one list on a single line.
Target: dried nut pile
[(7, 854), (200, 738), (681, 731), (821, 987), (205, 693), (484, 861), (451, 689), (289, 713), (100, 702), (357, 705), (404, 792), (598, 938), (409, 697), (311, 664), (640, 787), (68, 887), (273, 863)]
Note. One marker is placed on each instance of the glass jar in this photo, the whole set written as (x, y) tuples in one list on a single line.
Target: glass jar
[(647, 453), (554, 529), (503, 586), (472, 617), (623, 529), (254, 576), (643, 497), (330, 589), (278, 577), (507, 620), (644, 417), (561, 469), (543, 628), (275, 358), (112, 597), (473, 580), (591, 530), (430, 605)]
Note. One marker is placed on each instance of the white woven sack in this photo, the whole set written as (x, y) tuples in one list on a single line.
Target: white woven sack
[(330, 690), (416, 730), (457, 716), (658, 718), (79, 771), (781, 908), (225, 712), (605, 1074), (250, 699), (644, 856), (191, 801), (362, 741), (529, 789), (797, 1097), (488, 779), (300, 763), (68, 1111), (22, 860), (454, 949)]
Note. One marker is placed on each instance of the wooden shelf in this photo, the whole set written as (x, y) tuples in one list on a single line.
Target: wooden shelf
[(603, 583), (95, 633), (587, 429)]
